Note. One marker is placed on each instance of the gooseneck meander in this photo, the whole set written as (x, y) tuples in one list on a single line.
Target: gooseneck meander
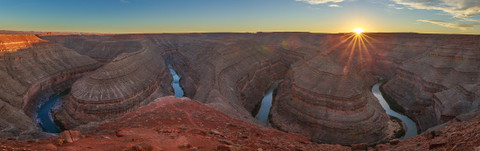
[(411, 127)]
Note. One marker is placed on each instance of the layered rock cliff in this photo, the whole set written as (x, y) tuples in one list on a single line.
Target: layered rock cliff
[(322, 100), (30, 68), (460, 100), (101, 48), (324, 94), (228, 73), (128, 82), (426, 85)]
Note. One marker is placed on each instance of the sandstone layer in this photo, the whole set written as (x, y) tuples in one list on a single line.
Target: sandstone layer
[(427, 85), (11, 43), (324, 94), (460, 100), (101, 48), (30, 68), (322, 100), (231, 72), (128, 82)]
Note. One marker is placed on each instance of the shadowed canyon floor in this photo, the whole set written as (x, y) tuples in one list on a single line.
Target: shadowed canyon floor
[(324, 93)]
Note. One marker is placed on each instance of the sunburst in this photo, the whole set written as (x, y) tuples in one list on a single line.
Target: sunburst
[(359, 31), (358, 45)]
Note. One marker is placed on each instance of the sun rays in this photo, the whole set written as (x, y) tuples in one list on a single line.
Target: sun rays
[(358, 45), (354, 48)]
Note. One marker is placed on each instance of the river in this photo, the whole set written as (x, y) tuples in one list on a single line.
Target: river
[(44, 114), (264, 110), (411, 127), (178, 91)]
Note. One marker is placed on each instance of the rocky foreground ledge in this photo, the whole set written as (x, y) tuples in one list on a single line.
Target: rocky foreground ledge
[(170, 123)]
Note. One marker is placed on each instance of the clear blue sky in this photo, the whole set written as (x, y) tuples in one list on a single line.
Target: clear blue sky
[(158, 16)]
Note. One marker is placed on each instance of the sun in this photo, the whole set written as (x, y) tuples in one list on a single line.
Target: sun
[(358, 31)]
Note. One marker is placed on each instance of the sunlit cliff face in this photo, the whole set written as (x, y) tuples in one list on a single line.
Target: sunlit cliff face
[(12, 43)]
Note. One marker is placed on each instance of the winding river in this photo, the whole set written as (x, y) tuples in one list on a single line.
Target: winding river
[(45, 117), (411, 129), (264, 110), (176, 83)]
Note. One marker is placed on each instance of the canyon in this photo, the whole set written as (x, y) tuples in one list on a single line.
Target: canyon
[(323, 101)]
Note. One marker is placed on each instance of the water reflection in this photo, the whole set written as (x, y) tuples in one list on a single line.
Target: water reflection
[(411, 129), (176, 83), (264, 111)]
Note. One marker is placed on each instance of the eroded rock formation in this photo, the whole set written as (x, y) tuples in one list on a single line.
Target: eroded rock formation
[(322, 100), (180, 123), (128, 82), (101, 48), (30, 68), (424, 85), (170, 123), (230, 72), (462, 99), (11, 43), (324, 94)]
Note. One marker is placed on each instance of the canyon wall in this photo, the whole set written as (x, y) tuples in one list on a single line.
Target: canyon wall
[(324, 93), (231, 72), (128, 82), (11, 43), (321, 99), (30, 68), (425, 73), (100, 48), (463, 99), (427, 85)]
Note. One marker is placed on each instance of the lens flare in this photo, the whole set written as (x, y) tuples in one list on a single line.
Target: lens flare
[(353, 49), (358, 31)]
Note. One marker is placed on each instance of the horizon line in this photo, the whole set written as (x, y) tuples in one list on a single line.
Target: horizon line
[(217, 32)]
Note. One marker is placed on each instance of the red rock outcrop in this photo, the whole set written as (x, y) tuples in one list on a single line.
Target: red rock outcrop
[(457, 136), (171, 123), (123, 85), (29, 68), (182, 124), (11, 43), (70, 136)]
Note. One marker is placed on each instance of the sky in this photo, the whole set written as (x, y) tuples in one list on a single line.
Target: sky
[(180, 16)]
